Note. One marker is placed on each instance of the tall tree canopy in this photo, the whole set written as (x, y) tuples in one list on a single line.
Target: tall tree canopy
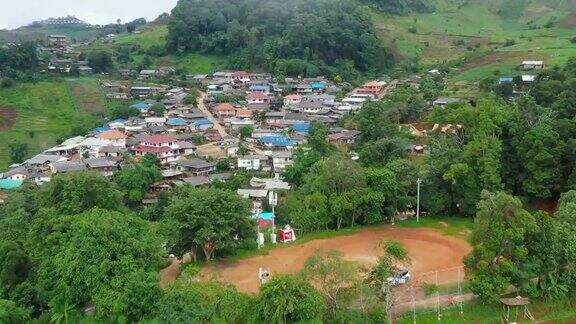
[(291, 38), (208, 219)]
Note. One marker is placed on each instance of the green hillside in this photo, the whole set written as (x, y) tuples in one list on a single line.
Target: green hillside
[(74, 32), (45, 112), (154, 35), (478, 30)]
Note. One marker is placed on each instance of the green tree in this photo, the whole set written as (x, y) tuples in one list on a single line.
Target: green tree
[(135, 179), (208, 219), (104, 257), (10, 313), (75, 192), (335, 278), (541, 151), (100, 61), (158, 109), (499, 238), (246, 131), (194, 302), (290, 299), (18, 151)]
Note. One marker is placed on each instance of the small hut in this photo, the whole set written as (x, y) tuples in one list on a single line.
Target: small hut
[(517, 304)]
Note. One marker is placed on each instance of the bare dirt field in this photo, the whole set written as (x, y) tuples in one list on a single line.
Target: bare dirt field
[(429, 251), (7, 117)]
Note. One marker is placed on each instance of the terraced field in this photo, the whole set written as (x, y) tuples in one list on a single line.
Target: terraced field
[(494, 35), (45, 113)]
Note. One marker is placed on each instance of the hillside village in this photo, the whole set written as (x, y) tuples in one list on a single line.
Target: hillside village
[(189, 140), (257, 130), (257, 162)]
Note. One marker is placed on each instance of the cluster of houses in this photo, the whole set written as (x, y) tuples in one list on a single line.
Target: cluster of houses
[(278, 116), (64, 57)]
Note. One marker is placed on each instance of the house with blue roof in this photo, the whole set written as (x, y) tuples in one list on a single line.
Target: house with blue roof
[(101, 129), (202, 124), (318, 87), (143, 107), (260, 88), (277, 141), (118, 121), (177, 123), (505, 80), (8, 184), (301, 127)]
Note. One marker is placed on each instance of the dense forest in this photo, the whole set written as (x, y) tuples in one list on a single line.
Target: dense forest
[(291, 38), (18, 62)]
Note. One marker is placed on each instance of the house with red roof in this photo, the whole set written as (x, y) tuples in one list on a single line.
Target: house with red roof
[(372, 88), (115, 137), (242, 77), (163, 146), (244, 113), (257, 98), (225, 110), (292, 99)]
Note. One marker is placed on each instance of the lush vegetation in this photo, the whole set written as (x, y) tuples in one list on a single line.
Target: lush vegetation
[(296, 38), (73, 251), (45, 113), (18, 62)]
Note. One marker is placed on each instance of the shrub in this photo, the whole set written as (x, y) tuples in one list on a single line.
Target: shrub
[(430, 289)]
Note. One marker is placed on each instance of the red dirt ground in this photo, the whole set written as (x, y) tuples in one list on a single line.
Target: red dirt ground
[(7, 117), (429, 250)]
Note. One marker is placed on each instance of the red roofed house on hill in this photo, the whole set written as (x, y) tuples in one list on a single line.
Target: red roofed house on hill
[(225, 110), (292, 99), (115, 137), (241, 77), (373, 87), (257, 98), (164, 147)]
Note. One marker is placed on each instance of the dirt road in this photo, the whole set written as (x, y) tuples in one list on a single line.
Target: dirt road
[(217, 126), (429, 250)]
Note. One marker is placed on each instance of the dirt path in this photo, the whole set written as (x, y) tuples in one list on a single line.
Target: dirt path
[(429, 250), (217, 126), (170, 273)]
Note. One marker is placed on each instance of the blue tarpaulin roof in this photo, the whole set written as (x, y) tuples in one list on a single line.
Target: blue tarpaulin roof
[(317, 85), (202, 121), (140, 106), (119, 121), (176, 122), (101, 129), (263, 215), (257, 87), (279, 141), (8, 184), (505, 80), (301, 127)]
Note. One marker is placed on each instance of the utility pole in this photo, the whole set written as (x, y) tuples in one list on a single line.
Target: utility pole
[(418, 182)]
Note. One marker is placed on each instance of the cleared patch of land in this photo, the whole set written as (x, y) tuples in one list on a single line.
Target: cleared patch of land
[(7, 117), (87, 96), (428, 249)]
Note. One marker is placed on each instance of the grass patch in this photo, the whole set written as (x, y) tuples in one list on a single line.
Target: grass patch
[(146, 37), (563, 311), (452, 226), (87, 96), (46, 112)]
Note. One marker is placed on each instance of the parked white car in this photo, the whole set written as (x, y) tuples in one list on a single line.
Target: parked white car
[(399, 278)]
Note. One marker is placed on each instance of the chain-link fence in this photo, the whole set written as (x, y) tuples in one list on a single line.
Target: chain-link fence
[(429, 293)]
